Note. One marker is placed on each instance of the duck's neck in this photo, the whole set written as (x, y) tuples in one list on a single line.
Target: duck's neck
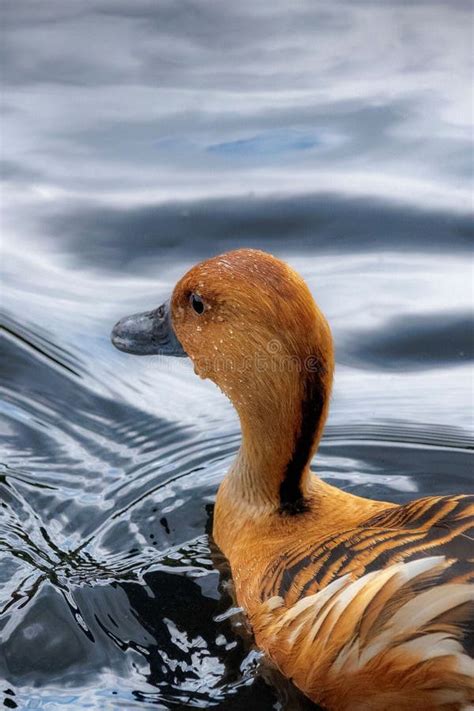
[(282, 420)]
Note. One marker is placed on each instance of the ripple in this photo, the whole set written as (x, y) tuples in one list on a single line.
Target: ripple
[(127, 239), (413, 341), (41, 344)]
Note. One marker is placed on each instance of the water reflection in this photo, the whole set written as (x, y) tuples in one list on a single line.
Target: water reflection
[(205, 100), (334, 136)]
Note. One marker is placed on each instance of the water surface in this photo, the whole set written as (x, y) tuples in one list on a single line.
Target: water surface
[(142, 137)]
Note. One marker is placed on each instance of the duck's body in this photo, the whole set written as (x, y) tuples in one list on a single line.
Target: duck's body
[(363, 604), (338, 642)]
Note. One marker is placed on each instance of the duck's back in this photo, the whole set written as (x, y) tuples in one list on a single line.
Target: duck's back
[(431, 526), (379, 616)]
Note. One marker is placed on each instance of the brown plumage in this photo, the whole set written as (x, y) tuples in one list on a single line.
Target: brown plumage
[(363, 604)]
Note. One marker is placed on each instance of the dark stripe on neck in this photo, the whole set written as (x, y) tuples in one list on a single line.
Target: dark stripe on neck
[(291, 496)]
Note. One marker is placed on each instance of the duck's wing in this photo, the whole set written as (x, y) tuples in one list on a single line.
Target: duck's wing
[(380, 616), (441, 525), (393, 639)]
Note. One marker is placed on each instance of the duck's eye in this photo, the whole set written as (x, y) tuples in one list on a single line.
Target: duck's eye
[(197, 303)]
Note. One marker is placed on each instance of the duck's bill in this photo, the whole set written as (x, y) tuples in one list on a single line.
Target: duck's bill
[(148, 333)]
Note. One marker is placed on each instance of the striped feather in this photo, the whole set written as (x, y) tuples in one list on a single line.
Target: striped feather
[(431, 526), (394, 635)]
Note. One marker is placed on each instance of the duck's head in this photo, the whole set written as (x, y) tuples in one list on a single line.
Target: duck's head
[(249, 323)]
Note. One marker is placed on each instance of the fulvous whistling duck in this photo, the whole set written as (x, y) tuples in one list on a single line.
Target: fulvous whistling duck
[(364, 605)]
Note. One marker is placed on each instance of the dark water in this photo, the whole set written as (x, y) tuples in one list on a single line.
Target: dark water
[(143, 136)]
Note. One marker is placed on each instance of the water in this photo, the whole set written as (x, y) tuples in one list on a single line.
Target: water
[(142, 137)]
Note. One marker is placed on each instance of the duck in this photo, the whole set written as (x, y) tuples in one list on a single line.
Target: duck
[(364, 605)]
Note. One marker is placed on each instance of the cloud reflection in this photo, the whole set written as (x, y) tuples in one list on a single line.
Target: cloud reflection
[(129, 101)]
